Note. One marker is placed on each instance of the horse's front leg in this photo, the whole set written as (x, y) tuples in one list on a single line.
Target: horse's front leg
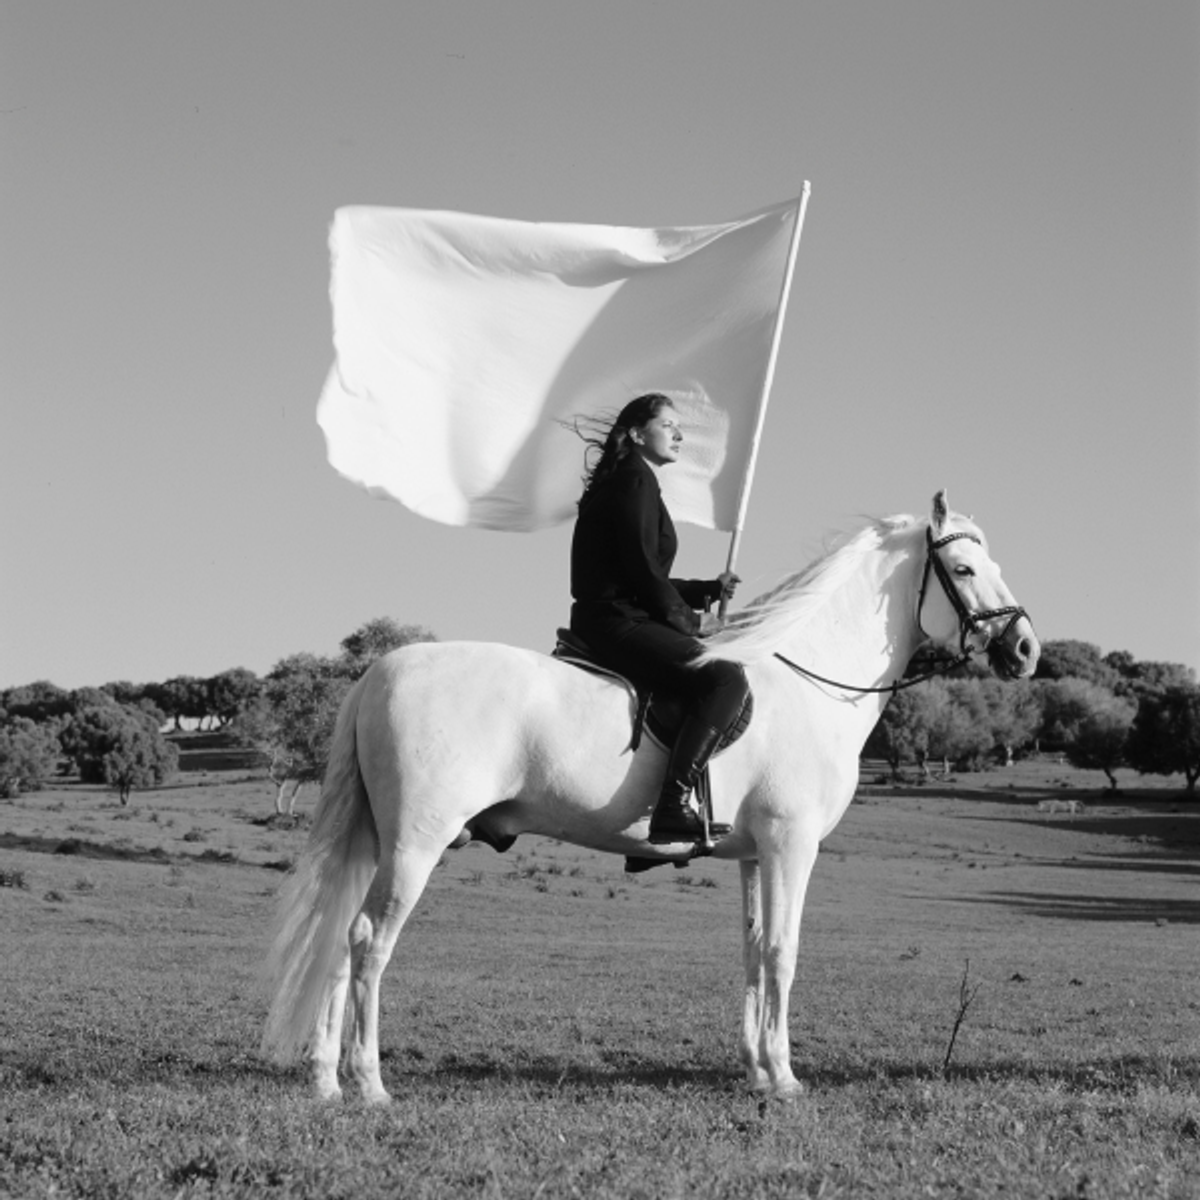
[(786, 865), (752, 960)]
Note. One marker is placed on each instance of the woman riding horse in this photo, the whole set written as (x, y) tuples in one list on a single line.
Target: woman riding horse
[(634, 617)]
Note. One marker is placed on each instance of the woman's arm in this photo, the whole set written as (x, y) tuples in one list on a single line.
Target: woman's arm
[(636, 513)]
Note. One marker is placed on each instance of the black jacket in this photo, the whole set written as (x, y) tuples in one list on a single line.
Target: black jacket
[(621, 556)]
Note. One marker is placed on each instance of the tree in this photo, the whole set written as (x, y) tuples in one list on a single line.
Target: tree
[(900, 735), (293, 720), (1066, 704), (38, 701), (89, 697), (377, 638), (959, 729), (138, 757), (1138, 678), (179, 697), (1121, 661), (119, 746), (937, 719), (1100, 737), (230, 692), (29, 752), (1014, 715), (1069, 659), (1165, 736), (124, 692)]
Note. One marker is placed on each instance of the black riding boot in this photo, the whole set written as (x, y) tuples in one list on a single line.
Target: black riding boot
[(674, 819)]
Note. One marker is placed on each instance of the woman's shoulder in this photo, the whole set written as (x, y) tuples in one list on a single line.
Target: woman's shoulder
[(630, 477), (634, 471)]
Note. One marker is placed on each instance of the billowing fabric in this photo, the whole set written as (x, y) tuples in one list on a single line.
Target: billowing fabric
[(464, 342)]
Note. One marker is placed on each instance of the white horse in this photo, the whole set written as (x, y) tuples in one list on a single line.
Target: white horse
[(440, 742)]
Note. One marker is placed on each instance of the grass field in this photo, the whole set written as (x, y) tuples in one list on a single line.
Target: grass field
[(554, 1028)]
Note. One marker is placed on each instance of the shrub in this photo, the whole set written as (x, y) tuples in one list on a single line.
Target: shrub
[(29, 755), (1165, 736), (119, 746)]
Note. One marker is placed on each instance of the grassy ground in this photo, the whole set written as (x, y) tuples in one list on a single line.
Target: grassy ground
[(553, 1027)]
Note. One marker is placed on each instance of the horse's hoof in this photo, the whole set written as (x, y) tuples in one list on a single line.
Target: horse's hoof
[(786, 1091), (328, 1095), (379, 1099)]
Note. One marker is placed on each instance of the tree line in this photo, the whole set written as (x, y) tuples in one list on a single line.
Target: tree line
[(115, 734), (1099, 711)]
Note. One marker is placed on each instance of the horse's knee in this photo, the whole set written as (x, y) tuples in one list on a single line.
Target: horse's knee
[(779, 961)]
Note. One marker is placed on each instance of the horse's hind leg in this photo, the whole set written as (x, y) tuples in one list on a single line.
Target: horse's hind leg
[(399, 881), (326, 1044)]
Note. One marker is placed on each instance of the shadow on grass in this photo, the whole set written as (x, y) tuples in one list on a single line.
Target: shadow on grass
[(618, 1069), (1158, 826), (131, 1071), (83, 848), (1027, 796), (1123, 1073), (1162, 862), (1074, 907), (406, 1073), (116, 852)]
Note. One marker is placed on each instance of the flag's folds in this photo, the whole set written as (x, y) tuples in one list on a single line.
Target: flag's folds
[(464, 342)]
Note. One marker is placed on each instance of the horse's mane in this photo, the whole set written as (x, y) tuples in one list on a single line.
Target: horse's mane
[(759, 629)]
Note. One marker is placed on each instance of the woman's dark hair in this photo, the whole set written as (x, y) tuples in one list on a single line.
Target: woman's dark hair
[(611, 441)]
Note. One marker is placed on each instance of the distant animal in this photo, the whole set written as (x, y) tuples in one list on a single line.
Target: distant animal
[(1060, 806), (441, 742)]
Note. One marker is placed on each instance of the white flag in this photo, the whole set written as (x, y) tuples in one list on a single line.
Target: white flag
[(464, 342)]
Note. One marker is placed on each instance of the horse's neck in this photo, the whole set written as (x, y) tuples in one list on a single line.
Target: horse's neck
[(866, 632)]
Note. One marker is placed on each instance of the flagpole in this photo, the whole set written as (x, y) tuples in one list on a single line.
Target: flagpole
[(776, 334)]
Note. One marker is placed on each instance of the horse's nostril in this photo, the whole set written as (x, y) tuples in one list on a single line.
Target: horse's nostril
[(1024, 647)]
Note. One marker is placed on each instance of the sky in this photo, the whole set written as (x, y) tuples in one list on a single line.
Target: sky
[(997, 292)]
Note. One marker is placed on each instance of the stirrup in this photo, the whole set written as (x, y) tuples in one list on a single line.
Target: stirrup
[(687, 828)]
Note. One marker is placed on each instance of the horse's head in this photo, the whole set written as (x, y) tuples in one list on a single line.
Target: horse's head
[(972, 610)]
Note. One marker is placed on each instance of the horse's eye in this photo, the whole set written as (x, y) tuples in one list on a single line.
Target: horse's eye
[(963, 571)]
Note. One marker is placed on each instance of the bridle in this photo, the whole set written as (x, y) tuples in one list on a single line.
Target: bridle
[(969, 621)]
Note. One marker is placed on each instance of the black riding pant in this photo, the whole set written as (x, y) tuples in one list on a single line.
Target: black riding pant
[(659, 658)]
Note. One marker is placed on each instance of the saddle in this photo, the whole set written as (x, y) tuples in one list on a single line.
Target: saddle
[(658, 715)]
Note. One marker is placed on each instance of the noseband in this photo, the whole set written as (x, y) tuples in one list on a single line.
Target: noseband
[(968, 622)]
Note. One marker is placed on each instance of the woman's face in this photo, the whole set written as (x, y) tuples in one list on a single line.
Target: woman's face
[(659, 440)]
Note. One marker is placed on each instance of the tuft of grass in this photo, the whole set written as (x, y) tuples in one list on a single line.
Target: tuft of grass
[(684, 880)]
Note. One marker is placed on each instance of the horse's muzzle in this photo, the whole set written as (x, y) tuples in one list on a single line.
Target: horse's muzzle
[(1014, 655)]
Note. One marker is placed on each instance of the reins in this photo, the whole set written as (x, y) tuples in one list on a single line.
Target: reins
[(899, 686), (968, 622)]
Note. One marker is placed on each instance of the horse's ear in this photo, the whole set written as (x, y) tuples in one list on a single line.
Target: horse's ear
[(941, 512)]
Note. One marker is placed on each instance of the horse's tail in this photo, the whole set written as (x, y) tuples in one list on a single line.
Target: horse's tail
[(321, 897)]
